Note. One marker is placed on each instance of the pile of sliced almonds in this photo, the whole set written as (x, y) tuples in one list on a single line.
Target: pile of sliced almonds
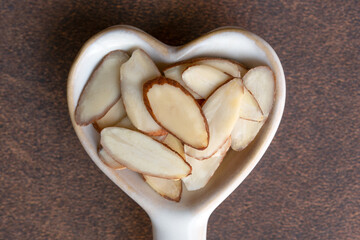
[(177, 126)]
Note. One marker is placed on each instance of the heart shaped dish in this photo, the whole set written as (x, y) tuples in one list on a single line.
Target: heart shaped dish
[(186, 219)]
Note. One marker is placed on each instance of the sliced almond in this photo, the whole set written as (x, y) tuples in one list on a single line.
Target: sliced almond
[(125, 123), (109, 161), (202, 171), (230, 67), (175, 73), (204, 79), (243, 133), (173, 107), (169, 189), (249, 108), (175, 144), (143, 154), (113, 116), (222, 110), (134, 73), (260, 81), (102, 90)]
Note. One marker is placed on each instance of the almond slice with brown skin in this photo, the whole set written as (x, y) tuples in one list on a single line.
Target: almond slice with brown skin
[(243, 133), (204, 79), (175, 144), (102, 90), (113, 116), (222, 110), (142, 154), (202, 171), (260, 81), (230, 67), (167, 188), (250, 108), (175, 73), (174, 108), (134, 73), (125, 123), (109, 161)]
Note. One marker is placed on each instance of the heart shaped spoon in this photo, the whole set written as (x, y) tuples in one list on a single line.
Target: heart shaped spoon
[(188, 218)]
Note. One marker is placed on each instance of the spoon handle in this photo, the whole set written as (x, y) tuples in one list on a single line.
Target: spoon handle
[(179, 227)]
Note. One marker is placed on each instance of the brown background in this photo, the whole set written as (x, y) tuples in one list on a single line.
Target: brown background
[(306, 186)]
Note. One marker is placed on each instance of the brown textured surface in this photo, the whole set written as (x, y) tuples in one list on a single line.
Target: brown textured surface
[(307, 185)]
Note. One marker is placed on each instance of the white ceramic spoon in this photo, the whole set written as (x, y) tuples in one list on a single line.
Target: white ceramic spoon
[(186, 220)]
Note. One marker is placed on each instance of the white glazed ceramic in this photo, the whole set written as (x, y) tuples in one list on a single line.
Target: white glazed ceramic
[(186, 220)]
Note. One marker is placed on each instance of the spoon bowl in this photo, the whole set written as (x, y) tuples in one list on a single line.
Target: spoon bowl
[(188, 218)]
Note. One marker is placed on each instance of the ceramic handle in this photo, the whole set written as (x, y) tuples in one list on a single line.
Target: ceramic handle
[(177, 227)]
